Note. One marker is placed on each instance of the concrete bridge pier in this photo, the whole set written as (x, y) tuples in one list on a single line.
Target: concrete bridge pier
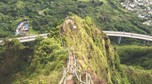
[(144, 42), (119, 40), (148, 43)]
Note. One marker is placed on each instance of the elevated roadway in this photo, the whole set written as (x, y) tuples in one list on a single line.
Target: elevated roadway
[(28, 38), (129, 35), (109, 33)]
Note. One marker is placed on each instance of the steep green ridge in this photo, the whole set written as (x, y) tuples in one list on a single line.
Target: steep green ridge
[(44, 15), (93, 52), (93, 49)]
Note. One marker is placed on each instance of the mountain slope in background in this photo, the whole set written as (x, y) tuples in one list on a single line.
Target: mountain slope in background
[(47, 14), (142, 8)]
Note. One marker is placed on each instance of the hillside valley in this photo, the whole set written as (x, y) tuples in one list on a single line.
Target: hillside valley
[(77, 51), (90, 47), (47, 14)]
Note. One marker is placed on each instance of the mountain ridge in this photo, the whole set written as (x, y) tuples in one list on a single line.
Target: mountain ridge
[(93, 55)]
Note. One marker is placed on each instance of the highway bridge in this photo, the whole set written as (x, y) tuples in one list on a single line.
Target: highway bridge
[(109, 33), (28, 38), (129, 35)]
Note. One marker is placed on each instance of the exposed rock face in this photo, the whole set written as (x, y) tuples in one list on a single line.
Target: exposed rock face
[(142, 7)]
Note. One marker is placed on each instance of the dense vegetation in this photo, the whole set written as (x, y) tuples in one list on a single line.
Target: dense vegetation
[(31, 59), (44, 15), (139, 56), (45, 58), (13, 58), (138, 60)]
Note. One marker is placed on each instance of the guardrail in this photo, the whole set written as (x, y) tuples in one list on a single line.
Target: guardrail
[(28, 38), (129, 35), (109, 33)]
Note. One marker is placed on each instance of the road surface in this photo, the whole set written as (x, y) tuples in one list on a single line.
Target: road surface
[(109, 33)]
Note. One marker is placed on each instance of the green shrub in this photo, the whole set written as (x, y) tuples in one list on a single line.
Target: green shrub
[(136, 56)]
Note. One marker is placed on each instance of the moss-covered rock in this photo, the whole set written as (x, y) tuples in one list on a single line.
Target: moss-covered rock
[(93, 50)]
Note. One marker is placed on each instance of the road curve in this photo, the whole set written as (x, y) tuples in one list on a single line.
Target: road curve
[(109, 33), (129, 35)]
